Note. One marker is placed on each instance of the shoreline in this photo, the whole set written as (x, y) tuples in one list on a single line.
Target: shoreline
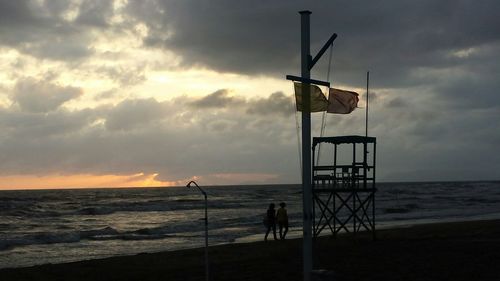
[(464, 250), (296, 232)]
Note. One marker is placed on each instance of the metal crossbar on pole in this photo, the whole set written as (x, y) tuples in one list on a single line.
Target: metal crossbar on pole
[(307, 80)]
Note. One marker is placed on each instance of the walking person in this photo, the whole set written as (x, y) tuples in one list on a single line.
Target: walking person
[(270, 221), (282, 218)]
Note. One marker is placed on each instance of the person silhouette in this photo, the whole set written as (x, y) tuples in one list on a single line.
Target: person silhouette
[(270, 221), (282, 218)]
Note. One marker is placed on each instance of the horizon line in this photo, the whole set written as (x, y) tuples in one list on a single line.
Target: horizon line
[(225, 185)]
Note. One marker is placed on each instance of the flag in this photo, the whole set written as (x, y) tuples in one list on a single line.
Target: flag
[(341, 101), (318, 100)]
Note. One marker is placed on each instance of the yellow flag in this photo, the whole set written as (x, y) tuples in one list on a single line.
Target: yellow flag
[(318, 100)]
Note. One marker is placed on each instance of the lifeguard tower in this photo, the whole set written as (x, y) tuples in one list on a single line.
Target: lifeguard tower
[(344, 190)]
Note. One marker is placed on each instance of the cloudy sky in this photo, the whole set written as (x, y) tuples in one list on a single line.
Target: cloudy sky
[(148, 93)]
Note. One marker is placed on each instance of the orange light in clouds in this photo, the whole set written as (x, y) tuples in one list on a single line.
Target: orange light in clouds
[(134, 180), (81, 181)]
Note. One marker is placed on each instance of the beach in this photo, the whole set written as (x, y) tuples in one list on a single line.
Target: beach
[(440, 251)]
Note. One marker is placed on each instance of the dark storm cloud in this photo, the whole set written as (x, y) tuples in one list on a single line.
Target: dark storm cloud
[(449, 47), (419, 139), (145, 135), (39, 125), (39, 29), (277, 103), (17, 13), (59, 47), (55, 7), (177, 141), (217, 99), (95, 13), (225, 35), (262, 37), (19, 23), (130, 114), (38, 96), (476, 83), (396, 102)]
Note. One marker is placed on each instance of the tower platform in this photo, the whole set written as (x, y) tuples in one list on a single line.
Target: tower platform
[(344, 190)]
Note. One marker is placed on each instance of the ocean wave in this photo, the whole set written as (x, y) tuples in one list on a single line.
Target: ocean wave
[(28, 208), (99, 232), (401, 209), (171, 228), (40, 238), (93, 211), (396, 210), (107, 233), (484, 200), (30, 213), (145, 237), (188, 200), (110, 209), (177, 205)]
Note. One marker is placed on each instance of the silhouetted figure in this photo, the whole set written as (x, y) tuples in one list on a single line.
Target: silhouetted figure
[(271, 221), (282, 218)]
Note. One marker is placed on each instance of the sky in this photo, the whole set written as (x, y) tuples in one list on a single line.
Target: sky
[(97, 93)]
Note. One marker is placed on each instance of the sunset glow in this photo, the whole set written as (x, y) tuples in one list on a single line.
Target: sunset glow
[(82, 181)]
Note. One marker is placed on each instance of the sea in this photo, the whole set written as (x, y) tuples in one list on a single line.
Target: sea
[(64, 225)]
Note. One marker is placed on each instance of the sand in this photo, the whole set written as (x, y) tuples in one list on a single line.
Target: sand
[(445, 251)]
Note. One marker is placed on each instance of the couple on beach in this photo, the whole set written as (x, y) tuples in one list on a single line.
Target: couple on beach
[(281, 217)]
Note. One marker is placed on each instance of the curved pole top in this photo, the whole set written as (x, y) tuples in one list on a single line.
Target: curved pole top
[(201, 190)]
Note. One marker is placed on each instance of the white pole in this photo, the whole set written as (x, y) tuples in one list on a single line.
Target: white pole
[(366, 113), (306, 146)]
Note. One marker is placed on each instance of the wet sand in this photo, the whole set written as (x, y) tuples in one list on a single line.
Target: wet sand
[(445, 251)]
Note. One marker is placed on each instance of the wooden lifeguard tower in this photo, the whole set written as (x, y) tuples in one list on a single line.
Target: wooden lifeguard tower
[(344, 191)]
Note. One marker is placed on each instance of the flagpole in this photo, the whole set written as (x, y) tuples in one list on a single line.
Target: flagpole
[(307, 63), (366, 114), (306, 60)]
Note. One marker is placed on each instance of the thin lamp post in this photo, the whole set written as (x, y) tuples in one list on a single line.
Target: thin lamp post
[(207, 272)]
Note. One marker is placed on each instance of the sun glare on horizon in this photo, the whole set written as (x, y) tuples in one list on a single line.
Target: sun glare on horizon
[(82, 181)]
